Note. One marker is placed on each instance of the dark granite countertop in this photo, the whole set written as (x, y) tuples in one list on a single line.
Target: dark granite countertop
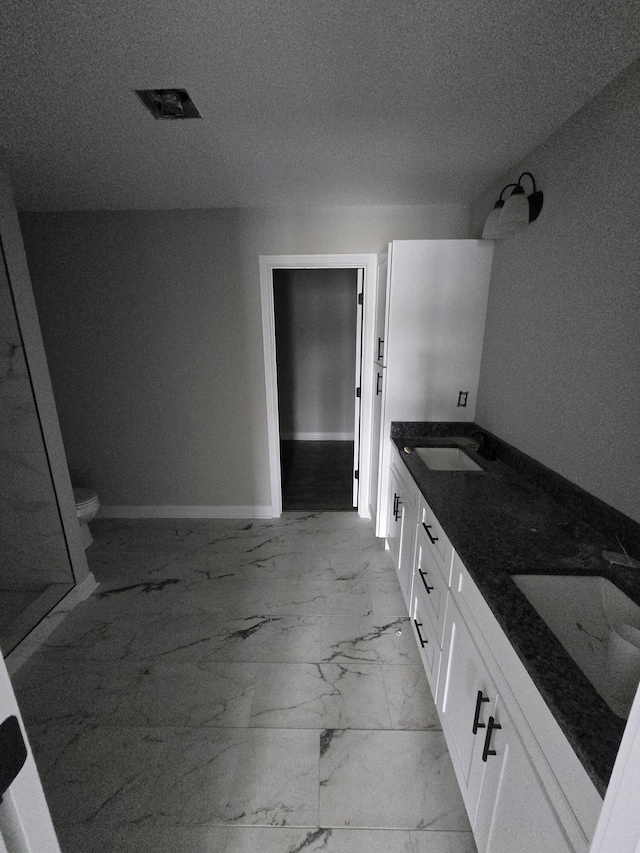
[(515, 519)]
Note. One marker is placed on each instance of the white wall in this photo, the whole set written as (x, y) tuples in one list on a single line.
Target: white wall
[(561, 362), (152, 325), (316, 351)]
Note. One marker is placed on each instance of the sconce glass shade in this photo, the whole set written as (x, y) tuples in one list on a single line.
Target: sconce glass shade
[(515, 213), (491, 229)]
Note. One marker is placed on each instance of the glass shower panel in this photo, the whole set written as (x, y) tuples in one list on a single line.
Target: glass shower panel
[(35, 568)]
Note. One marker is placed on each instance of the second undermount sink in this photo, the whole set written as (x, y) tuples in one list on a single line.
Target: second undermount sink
[(447, 459), (598, 625)]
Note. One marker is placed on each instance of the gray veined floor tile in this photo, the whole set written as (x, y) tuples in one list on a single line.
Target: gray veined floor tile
[(144, 596), (260, 637), (251, 839), (57, 686), (276, 780), (190, 693), (148, 837), (166, 535), (316, 840), (285, 597), (231, 688), (320, 696), (374, 639), (101, 776), (443, 842), (199, 773), (412, 768), (411, 705), (386, 597), (49, 741), (135, 636), (129, 566), (311, 566)]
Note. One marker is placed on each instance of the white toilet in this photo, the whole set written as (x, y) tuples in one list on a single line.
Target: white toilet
[(87, 506)]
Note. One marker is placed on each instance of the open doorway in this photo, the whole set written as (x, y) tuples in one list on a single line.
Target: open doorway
[(318, 357), (365, 266)]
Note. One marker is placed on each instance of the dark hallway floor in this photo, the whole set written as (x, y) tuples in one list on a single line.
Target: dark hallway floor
[(317, 475)]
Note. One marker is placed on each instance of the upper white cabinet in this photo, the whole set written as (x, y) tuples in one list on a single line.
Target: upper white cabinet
[(436, 302)]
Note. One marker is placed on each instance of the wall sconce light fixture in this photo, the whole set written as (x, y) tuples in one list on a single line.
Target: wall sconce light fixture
[(515, 213)]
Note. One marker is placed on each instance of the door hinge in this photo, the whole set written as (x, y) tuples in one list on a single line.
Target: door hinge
[(357, 392), (356, 474), (360, 299)]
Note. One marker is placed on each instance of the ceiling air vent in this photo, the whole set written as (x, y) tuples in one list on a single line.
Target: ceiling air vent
[(168, 103)]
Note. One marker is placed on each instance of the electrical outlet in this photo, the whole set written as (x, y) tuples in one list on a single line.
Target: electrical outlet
[(462, 398)]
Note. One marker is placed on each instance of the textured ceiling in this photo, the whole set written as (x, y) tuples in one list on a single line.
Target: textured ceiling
[(316, 102)]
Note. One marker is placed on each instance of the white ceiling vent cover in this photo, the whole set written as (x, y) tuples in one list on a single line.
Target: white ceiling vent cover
[(168, 103)]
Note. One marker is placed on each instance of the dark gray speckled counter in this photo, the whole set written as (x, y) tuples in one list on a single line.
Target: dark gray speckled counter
[(521, 519)]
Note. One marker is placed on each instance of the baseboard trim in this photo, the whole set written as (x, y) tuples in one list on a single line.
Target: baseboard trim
[(317, 436), (185, 512)]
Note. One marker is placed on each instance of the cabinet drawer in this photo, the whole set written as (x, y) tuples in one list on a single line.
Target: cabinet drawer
[(437, 538), (427, 640), (429, 584)]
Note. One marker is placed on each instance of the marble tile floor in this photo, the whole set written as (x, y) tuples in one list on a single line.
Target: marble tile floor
[(240, 686)]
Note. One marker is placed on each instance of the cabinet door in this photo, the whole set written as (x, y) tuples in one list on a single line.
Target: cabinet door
[(466, 698), (379, 354), (376, 419), (514, 809), (427, 640), (409, 512), (394, 517)]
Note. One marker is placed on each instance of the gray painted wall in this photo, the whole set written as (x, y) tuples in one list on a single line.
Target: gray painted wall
[(152, 326), (316, 350), (560, 374)]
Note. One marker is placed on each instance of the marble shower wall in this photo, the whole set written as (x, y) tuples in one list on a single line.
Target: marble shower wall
[(34, 552)]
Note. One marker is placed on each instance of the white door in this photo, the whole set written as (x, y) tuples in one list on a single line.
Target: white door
[(25, 822), (358, 387)]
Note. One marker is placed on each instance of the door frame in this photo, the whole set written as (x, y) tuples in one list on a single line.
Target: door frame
[(268, 263)]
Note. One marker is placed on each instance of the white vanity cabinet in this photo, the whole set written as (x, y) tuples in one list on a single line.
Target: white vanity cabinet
[(523, 786)]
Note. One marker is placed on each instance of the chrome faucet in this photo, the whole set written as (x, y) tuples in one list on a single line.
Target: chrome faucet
[(486, 448)]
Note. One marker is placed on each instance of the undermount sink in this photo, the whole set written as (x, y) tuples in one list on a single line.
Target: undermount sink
[(447, 459), (598, 625)]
